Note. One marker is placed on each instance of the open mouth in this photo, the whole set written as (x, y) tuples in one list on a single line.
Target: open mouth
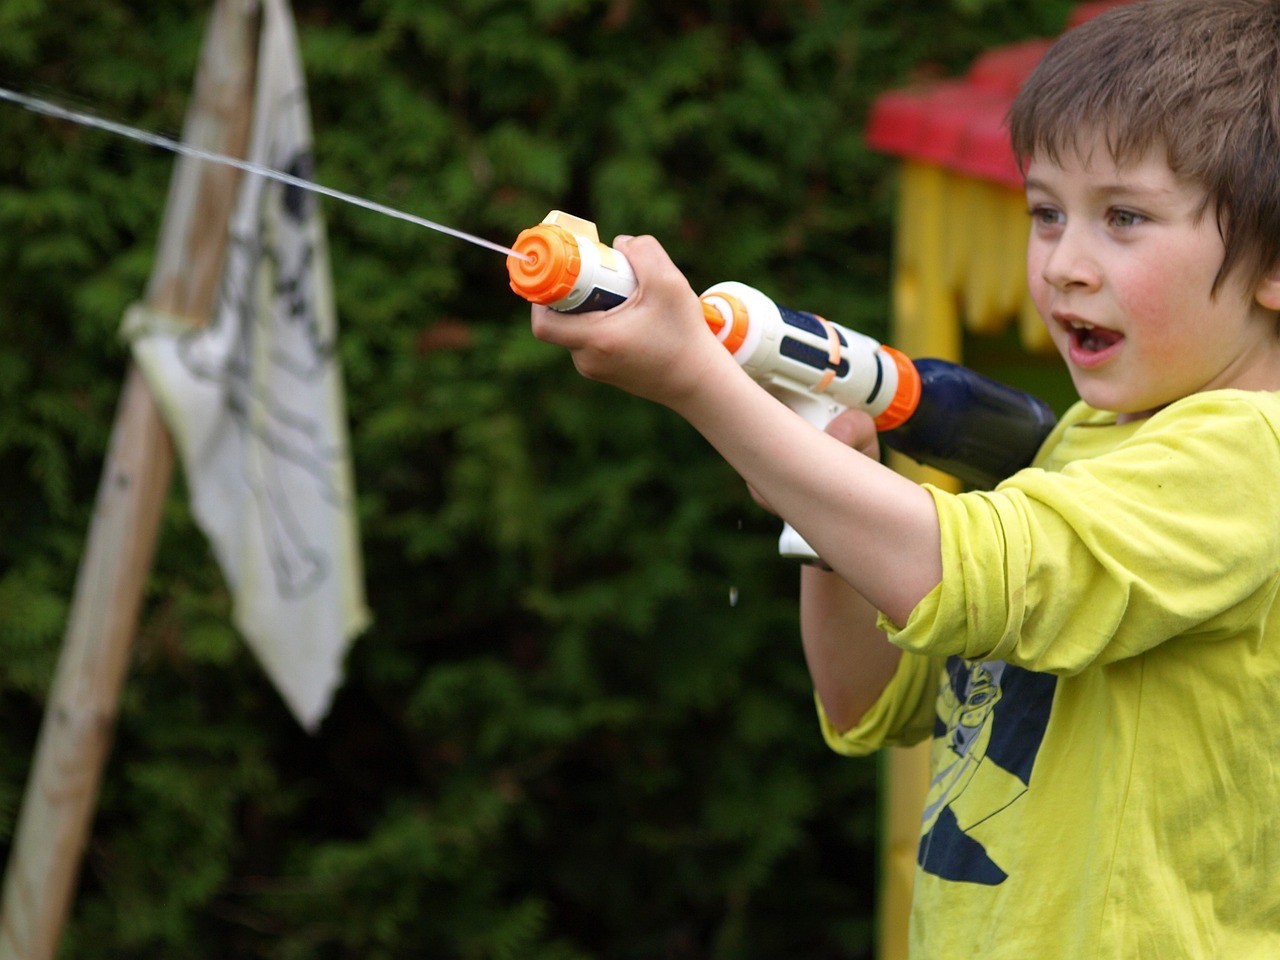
[(1087, 338)]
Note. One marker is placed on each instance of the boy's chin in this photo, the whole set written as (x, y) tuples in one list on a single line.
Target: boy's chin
[(1126, 409)]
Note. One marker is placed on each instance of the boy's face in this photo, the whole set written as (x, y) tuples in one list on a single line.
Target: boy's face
[(1121, 265)]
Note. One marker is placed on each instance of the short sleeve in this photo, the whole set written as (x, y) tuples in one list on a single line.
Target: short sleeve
[(903, 714), (1172, 532)]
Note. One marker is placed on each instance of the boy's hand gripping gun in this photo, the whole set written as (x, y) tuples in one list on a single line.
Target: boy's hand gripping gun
[(936, 412)]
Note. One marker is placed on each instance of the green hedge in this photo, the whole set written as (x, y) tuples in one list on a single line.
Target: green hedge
[(580, 726)]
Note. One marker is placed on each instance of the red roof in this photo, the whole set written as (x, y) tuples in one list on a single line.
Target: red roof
[(959, 124)]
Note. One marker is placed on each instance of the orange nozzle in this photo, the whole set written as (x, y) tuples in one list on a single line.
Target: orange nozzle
[(551, 266), (906, 397)]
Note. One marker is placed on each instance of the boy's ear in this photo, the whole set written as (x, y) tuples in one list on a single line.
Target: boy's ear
[(1268, 292)]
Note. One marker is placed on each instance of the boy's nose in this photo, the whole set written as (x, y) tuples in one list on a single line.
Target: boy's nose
[(1071, 262)]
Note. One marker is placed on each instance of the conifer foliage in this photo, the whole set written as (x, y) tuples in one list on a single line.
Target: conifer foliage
[(580, 726)]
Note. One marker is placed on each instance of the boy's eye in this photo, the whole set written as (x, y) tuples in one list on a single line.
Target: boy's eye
[(1125, 218), (1046, 216)]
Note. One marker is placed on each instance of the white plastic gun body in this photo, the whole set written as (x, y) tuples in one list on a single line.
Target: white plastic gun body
[(810, 363), (816, 367)]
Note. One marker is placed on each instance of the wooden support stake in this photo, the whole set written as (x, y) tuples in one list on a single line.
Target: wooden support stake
[(79, 722)]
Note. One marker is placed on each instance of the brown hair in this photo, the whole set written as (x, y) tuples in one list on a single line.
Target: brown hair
[(1200, 78)]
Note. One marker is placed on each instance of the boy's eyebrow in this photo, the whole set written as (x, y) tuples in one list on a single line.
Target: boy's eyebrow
[(1108, 190)]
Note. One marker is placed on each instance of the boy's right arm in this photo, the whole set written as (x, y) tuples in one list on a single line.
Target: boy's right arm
[(877, 529)]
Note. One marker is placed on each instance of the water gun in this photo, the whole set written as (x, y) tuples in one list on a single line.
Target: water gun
[(936, 412)]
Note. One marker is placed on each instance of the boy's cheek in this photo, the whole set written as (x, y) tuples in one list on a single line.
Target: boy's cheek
[(1040, 295)]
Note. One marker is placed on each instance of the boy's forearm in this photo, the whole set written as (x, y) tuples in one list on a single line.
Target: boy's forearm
[(876, 529), (849, 659)]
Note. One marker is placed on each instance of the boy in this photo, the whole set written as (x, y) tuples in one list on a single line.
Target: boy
[(1095, 645)]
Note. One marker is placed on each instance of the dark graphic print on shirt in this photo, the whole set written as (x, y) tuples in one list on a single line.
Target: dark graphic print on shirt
[(990, 724)]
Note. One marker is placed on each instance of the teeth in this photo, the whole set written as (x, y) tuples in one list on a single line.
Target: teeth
[(1081, 325)]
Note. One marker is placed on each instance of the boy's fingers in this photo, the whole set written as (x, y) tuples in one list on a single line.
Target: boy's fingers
[(857, 429), (561, 329), (645, 253)]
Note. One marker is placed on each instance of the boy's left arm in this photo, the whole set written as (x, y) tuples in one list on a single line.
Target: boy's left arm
[(876, 529)]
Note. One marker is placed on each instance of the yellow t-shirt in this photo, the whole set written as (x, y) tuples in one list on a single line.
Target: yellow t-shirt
[(1100, 672)]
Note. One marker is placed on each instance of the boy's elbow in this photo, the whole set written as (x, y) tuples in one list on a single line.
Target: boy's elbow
[(847, 699), (844, 716)]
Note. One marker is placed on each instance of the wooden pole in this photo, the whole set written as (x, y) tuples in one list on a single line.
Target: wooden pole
[(79, 722)]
